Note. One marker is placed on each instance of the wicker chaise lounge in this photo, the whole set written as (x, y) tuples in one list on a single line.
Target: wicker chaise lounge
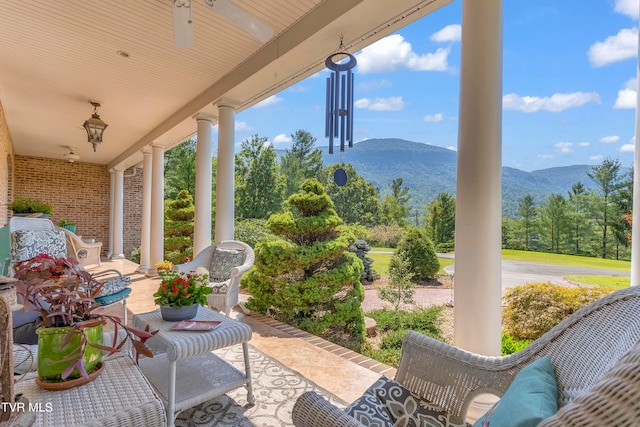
[(595, 355)]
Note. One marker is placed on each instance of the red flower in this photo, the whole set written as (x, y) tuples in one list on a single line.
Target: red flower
[(175, 290)]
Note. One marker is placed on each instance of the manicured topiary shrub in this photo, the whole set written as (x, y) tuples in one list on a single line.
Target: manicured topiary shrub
[(178, 228), (306, 277), (419, 252), (534, 308)]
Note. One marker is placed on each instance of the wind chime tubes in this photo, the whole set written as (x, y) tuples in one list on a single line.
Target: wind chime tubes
[(339, 110)]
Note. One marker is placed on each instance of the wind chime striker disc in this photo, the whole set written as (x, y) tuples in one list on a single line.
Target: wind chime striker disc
[(340, 177)]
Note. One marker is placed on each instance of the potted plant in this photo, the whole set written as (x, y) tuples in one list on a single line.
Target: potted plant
[(70, 342), (180, 294), (64, 223), (27, 206)]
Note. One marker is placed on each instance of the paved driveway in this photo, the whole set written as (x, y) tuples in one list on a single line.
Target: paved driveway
[(516, 273)]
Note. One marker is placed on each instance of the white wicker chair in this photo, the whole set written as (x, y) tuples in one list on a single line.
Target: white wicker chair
[(85, 253), (201, 264), (595, 353), (56, 244)]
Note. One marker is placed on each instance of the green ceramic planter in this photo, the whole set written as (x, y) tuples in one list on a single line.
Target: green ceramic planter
[(49, 351)]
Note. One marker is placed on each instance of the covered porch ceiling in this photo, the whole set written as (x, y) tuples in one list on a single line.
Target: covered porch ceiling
[(56, 55)]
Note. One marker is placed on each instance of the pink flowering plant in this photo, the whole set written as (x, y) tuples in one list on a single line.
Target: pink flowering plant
[(179, 289)]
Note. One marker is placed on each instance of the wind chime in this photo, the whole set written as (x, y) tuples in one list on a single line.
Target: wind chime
[(339, 109)]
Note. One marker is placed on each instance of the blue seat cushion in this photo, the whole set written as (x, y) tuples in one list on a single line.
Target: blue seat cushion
[(113, 298)]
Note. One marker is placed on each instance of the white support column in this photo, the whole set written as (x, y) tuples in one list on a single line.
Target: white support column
[(635, 231), (225, 204), (478, 264), (145, 223), (157, 209), (202, 220), (112, 192), (118, 216)]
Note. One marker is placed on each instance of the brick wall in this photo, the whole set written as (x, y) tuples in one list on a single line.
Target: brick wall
[(132, 210), (78, 192)]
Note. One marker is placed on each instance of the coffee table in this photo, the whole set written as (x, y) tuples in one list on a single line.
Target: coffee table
[(187, 373)]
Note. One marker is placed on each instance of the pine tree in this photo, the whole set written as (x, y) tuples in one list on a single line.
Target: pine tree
[(307, 277)]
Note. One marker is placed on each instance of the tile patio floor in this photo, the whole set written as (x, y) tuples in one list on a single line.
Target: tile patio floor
[(338, 370)]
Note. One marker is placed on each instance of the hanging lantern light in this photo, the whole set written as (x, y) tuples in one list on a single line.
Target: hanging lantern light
[(339, 110), (94, 126)]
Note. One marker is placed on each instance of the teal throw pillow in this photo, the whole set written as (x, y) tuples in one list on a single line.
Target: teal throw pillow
[(531, 397)]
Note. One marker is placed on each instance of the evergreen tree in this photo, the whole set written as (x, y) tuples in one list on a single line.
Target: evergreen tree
[(623, 203), (259, 185), (358, 201), (307, 278), (578, 215), (608, 181), (528, 214), (554, 222), (441, 218), (300, 162), (394, 208), (178, 228)]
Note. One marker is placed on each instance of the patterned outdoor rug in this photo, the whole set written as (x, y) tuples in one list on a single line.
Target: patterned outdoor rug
[(275, 386)]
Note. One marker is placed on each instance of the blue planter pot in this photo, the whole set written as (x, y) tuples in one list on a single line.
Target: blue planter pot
[(171, 314)]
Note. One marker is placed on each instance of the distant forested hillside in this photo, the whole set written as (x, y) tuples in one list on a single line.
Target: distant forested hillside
[(428, 170)]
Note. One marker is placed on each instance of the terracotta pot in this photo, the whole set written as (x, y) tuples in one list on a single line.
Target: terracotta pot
[(171, 314)]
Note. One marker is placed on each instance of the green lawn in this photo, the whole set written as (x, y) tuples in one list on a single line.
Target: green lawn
[(381, 262), (572, 260), (611, 282)]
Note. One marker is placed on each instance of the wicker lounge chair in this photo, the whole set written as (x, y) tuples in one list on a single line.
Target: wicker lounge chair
[(595, 354), (225, 262)]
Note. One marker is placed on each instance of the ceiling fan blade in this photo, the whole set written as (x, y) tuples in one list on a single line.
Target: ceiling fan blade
[(182, 23), (241, 18)]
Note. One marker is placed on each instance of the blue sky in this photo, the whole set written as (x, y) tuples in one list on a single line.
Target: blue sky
[(569, 85)]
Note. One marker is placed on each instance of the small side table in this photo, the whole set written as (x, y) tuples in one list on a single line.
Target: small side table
[(120, 396), (188, 373)]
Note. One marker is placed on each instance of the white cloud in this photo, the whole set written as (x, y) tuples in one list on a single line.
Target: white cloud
[(452, 148), (394, 103), (393, 53), (281, 139), (564, 147), (584, 144), (242, 126), (596, 158), (438, 117), (623, 45), (610, 139), (272, 100), (546, 156), (450, 33), (555, 103), (627, 97), (627, 7), (628, 148)]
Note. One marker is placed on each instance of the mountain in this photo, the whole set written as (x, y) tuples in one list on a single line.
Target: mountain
[(428, 170)]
